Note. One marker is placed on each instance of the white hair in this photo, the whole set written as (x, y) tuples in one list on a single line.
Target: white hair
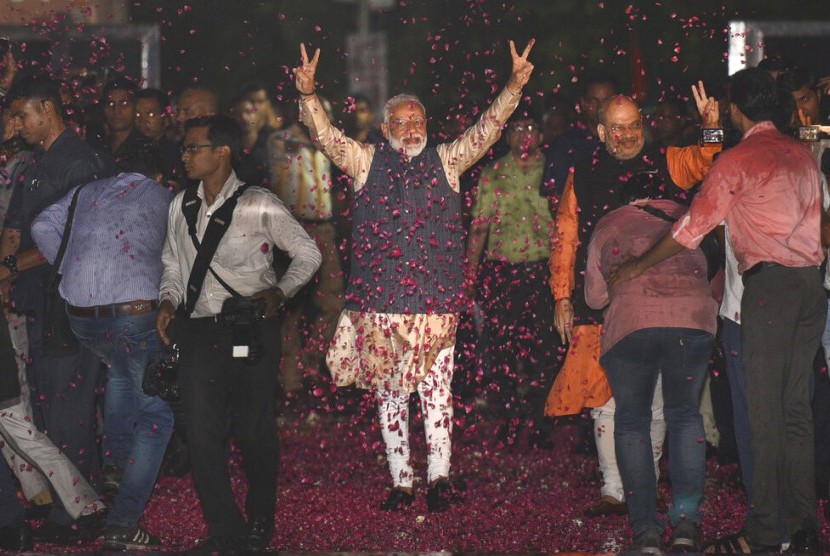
[(397, 100)]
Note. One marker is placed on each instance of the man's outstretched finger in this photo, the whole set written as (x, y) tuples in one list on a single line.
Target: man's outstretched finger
[(527, 49)]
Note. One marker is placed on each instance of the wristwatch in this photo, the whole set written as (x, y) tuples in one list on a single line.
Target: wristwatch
[(711, 135), (10, 262)]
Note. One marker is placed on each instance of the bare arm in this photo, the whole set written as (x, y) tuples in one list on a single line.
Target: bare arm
[(632, 268)]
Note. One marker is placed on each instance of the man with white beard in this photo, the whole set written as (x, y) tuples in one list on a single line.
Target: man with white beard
[(396, 335)]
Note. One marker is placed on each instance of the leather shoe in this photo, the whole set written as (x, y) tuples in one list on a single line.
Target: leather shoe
[(16, 537), (805, 541), (260, 532), (441, 495), (397, 500), (608, 505)]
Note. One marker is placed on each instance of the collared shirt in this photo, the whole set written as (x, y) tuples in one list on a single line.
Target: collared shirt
[(768, 189), (114, 249), (69, 162), (673, 294), (520, 226), (245, 255)]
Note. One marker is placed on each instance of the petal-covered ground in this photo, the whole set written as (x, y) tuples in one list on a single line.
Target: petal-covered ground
[(518, 499)]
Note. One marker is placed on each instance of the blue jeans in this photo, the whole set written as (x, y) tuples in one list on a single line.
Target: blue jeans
[(681, 355), (136, 427)]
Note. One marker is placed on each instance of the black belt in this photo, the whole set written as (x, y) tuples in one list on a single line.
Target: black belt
[(758, 268), (130, 308)]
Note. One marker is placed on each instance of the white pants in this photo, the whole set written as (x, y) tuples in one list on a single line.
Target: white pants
[(436, 405), (32, 481), (34, 459), (34, 451), (606, 451)]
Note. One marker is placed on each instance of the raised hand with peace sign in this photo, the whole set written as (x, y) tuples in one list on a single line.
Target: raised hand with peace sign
[(304, 74), (522, 68)]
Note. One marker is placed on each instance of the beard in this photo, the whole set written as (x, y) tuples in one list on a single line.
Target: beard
[(409, 150)]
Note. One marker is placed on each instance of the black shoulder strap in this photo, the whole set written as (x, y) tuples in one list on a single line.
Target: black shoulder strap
[(67, 230), (216, 228), (656, 212)]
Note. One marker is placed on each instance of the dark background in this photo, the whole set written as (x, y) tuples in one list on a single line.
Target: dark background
[(455, 50)]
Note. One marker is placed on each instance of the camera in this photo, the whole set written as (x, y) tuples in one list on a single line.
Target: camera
[(243, 315), (808, 133), (161, 377)]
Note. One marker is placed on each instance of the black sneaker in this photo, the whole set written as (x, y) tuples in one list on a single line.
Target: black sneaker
[(111, 480), (397, 500), (121, 538), (89, 527), (647, 542), (260, 532), (686, 537)]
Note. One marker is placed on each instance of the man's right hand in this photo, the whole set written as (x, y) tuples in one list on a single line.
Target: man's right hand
[(563, 319), (304, 74), (165, 316)]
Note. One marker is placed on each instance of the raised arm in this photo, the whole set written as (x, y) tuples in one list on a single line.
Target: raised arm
[(462, 153), (689, 165), (350, 156), (304, 74), (522, 68)]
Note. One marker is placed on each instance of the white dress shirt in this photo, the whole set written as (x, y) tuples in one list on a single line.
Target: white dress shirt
[(245, 256)]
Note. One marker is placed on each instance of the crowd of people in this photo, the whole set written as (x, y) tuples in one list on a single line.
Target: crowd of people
[(254, 251)]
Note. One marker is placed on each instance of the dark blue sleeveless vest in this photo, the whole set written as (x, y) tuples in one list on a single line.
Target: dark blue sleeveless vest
[(407, 237)]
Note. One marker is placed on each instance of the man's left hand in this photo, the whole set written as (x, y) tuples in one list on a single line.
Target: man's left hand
[(522, 68), (274, 301)]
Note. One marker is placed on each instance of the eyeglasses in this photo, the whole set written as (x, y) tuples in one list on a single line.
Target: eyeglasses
[(619, 128), (401, 123), (524, 128), (193, 149)]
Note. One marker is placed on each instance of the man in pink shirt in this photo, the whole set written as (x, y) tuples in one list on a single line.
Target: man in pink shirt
[(768, 189), (660, 323)]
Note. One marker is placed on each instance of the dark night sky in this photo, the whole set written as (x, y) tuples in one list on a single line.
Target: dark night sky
[(454, 53), (447, 51)]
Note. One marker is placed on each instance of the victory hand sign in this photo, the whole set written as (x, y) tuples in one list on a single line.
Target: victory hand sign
[(304, 74)]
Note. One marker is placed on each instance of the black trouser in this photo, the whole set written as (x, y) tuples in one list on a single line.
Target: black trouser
[(782, 318), (223, 395)]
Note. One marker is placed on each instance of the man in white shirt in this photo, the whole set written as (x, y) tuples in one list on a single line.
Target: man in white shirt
[(220, 370)]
